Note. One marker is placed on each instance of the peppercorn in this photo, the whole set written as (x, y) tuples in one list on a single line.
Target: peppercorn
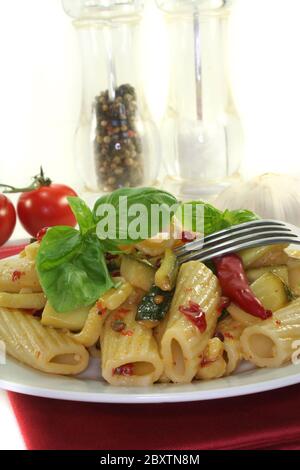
[(117, 145)]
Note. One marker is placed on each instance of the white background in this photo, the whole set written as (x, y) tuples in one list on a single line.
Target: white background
[(40, 94)]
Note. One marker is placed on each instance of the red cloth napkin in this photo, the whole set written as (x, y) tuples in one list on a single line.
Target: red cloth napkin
[(264, 421)]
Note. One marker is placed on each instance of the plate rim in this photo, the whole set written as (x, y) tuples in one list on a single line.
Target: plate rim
[(123, 395)]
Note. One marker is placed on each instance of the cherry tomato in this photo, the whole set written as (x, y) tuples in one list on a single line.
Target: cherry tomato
[(45, 207), (7, 219)]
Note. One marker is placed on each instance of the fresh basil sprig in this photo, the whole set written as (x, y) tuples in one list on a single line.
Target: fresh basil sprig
[(127, 214), (208, 219), (72, 268), (71, 263)]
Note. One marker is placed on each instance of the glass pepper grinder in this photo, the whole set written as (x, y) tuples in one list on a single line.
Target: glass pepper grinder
[(116, 143), (202, 134)]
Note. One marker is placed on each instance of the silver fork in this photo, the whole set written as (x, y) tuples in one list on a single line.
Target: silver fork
[(250, 234)]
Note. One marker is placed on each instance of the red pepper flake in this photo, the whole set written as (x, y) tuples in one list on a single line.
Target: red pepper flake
[(205, 362), (278, 322), (224, 303), (188, 289), (228, 335), (101, 309), (195, 314), (16, 275), (127, 333), (40, 235), (187, 237), (125, 370)]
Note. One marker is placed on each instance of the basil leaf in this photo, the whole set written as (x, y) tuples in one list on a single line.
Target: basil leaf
[(237, 217), (72, 269), (198, 216), (58, 245), (202, 217), (83, 214), (130, 210)]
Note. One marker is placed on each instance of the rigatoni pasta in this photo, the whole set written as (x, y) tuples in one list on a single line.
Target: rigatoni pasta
[(183, 342), (270, 343), (45, 349), (230, 331), (18, 273), (130, 354)]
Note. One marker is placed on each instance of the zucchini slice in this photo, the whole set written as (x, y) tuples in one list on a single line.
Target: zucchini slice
[(137, 273), (280, 271), (271, 291), (154, 307)]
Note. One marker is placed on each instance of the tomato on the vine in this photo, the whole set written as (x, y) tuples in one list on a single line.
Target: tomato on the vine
[(43, 204), (7, 219)]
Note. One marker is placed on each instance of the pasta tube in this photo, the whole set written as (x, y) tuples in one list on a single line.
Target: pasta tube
[(183, 342), (42, 348), (270, 343), (18, 273), (129, 351), (230, 330), (241, 316), (113, 298), (73, 320), (92, 327), (212, 364), (35, 301)]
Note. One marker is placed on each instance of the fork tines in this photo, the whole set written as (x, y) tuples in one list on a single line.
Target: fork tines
[(247, 235)]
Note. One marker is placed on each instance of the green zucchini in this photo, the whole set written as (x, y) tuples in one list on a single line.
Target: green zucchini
[(137, 273), (280, 271), (154, 306)]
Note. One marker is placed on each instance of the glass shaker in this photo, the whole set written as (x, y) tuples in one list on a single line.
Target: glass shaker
[(116, 143), (202, 133)]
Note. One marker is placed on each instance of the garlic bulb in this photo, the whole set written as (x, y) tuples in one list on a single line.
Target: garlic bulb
[(271, 196)]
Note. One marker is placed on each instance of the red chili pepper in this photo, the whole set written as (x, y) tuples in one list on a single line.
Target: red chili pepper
[(195, 314), (234, 284)]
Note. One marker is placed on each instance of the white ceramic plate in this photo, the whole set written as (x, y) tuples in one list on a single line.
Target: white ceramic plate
[(90, 388)]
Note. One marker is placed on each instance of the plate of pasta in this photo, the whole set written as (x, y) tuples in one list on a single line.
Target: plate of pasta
[(92, 320)]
